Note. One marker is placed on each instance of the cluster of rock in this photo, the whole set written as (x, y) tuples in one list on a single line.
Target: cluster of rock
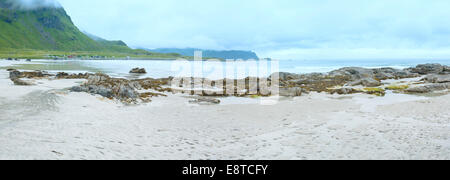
[(121, 89), (362, 80), (63, 75), (250, 86), (347, 80), (138, 71), (342, 81), (113, 88), (16, 76), (437, 79)]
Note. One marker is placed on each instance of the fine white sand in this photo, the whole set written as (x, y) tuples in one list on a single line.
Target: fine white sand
[(47, 122)]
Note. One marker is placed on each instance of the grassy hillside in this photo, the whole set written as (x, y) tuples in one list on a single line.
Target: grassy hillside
[(50, 30)]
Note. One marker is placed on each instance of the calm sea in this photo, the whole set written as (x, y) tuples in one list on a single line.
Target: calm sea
[(165, 68)]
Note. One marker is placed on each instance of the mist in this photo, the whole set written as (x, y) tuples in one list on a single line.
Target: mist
[(34, 4)]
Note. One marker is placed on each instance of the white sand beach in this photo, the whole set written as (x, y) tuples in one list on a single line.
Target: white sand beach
[(47, 122)]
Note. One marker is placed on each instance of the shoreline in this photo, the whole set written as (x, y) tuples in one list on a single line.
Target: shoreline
[(47, 121)]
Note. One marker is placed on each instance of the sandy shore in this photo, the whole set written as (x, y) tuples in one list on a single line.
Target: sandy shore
[(47, 122)]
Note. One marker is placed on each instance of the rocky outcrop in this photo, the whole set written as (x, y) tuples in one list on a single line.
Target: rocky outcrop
[(138, 71), (424, 69), (105, 86), (344, 77), (428, 88), (344, 90), (63, 75), (16, 76), (292, 92), (367, 82), (391, 73), (20, 82), (446, 69), (355, 73), (13, 74), (204, 101), (121, 89), (437, 78)]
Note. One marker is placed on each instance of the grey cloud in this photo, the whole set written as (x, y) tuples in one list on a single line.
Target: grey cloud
[(268, 25), (33, 4)]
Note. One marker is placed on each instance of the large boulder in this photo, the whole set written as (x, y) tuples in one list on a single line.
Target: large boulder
[(14, 74), (437, 78), (204, 101), (291, 92), (20, 82), (355, 73), (424, 69), (284, 76), (428, 88), (64, 75), (391, 73), (117, 88), (368, 82), (344, 90), (447, 69), (138, 71), (105, 86)]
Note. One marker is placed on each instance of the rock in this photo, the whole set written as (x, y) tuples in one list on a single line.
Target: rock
[(9, 70), (20, 82), (10, 59), (117, 88), (344, 90), (204, 101), (355, 73), (374, 91), (291, 92), (428, 88), (63, 75), (284, 76), (367, 82), (383, 75), (79, 89), (427, 69), (138, 71), (391, 73), (28, 60), (447, 69), (105, 92), (435, 78), (126, 91), (316, 81), (34, 74), (15, 74)]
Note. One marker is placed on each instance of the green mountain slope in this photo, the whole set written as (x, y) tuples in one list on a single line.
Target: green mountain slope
[(43, 28), (49, 30)]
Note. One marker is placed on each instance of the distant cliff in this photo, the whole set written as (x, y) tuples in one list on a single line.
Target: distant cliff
[(232, 54)]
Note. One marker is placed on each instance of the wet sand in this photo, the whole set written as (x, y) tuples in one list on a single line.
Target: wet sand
[(48, 122)]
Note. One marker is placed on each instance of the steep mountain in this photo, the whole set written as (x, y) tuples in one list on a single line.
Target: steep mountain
[(46, 28), (232, 54)]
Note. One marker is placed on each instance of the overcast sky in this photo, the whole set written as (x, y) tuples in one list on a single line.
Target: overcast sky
[(283, 29)]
